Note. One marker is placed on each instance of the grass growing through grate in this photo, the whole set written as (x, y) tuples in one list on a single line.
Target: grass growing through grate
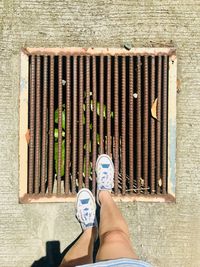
[(63, 137)]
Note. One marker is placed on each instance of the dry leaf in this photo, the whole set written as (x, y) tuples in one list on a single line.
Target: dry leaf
[(28, 137), (154, 109)]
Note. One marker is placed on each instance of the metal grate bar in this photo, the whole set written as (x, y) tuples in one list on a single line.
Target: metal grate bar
[(108, 105), (152, 120), (81, 88), (68, 124), (44, 127), (164, 127), (139, 160), (32, 125), (51, 127), (38, 126), (101, 104), (131, 129), (123, 125), (94, 132), (87, 171), (60, 122), (116, 124), (145, 124), (158, 127), (74, 149)]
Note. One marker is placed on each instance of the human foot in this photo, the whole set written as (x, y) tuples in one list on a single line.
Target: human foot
[(105, 174), (86, 209)]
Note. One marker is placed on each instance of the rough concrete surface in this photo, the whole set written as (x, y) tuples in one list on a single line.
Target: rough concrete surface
[(166, 235)]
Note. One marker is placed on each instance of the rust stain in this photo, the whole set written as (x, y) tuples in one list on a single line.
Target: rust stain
[(100, 51), (27, 136), (173, 58), (178, 85)]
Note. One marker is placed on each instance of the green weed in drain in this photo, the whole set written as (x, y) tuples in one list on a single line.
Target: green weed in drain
[(63, 136)]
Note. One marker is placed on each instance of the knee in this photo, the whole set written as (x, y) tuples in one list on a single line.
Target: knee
[(115, 236)]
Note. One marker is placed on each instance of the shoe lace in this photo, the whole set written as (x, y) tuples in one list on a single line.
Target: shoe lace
[(85, 215), (104, 174)]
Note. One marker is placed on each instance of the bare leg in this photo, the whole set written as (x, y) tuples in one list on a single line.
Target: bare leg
[(82, 250), (113, 231)]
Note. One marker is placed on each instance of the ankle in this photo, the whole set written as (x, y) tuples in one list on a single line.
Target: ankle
[(104, 194)]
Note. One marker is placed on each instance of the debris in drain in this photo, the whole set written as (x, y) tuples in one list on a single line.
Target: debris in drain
[(27, 136), (63, 82), (154, 109), (135, 95)]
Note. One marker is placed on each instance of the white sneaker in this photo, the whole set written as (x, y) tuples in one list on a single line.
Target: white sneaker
[(105, 174), (86, 209)]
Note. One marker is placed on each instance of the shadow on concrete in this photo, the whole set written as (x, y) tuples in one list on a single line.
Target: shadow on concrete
[(53, 256)]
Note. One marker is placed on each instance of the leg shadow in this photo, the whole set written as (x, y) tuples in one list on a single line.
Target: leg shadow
[(53, 256), (96, 245)]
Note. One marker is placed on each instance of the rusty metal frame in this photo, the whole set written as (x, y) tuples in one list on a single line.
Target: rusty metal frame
[(172, 91), (72, 198), (23, 123), (98, 51), (23, 126)]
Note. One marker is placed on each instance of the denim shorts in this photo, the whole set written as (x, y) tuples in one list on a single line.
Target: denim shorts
[(123, 262)]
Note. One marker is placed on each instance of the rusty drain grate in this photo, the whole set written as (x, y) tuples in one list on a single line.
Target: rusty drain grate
[(82, 103)]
